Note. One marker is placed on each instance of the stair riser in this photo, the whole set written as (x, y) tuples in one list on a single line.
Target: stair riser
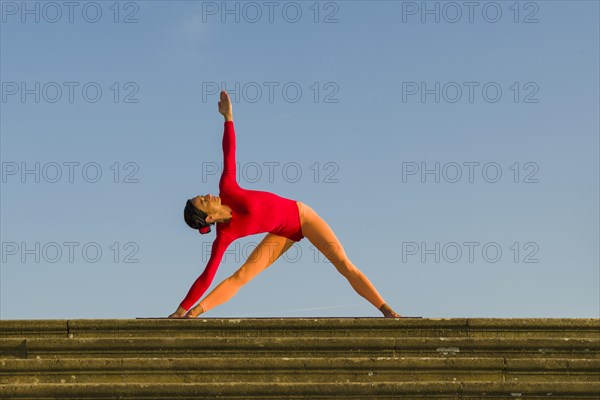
[(406, 390), (288, 376), (167, 353), (191, 353), (247, 334), (442, 346), (475, 328)]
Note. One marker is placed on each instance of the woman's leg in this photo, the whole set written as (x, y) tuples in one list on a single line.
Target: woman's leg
[(268, 250), (318, 232)]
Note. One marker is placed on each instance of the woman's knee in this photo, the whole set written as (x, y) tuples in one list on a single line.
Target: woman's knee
[(241, 276), (345, 267)]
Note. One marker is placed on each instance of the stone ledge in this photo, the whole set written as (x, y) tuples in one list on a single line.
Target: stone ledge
[(200, 390), (459, 327)]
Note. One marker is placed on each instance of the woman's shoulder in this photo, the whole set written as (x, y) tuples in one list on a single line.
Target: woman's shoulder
[(224, 236), (228, 181)]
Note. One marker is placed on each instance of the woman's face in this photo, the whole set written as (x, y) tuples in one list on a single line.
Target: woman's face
[(208, 203)]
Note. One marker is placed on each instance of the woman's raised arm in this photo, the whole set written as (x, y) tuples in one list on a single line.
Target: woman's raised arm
[(229, 151), (229, 168)]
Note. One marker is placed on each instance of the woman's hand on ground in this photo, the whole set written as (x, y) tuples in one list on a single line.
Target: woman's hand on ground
[(225, 108)]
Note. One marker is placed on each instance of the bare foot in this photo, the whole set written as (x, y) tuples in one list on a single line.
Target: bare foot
[(388, 312), (194, 312), (179, 313), (392, 315)]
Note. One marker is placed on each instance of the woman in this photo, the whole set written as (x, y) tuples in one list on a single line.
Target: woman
[(248, 212)]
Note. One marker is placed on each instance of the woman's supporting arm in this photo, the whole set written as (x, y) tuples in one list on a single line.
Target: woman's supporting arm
[(205, 279)]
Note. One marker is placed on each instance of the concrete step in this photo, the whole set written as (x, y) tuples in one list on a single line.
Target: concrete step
[(301, 347), (312, 327), (296, 358), (296, 369), (275, 390)]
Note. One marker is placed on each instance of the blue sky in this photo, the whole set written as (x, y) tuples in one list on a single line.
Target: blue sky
[(109, 123)]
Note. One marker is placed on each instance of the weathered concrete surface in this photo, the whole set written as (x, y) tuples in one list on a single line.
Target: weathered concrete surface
[(295, 369), (338, 327), (293, 358), (301, 346), (283, 390)]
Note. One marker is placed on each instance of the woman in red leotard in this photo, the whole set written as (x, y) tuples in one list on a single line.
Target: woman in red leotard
[(239, 212)]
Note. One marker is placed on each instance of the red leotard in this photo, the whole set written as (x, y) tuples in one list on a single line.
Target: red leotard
[(253, 212)]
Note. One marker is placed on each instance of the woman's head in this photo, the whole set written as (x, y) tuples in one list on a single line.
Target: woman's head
[(195, 218), (201, 211)]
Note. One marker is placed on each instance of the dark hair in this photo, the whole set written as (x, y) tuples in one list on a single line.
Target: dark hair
[(195, 218)]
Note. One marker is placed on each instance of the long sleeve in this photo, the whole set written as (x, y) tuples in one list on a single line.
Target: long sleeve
[(229, 170), (205, 279)]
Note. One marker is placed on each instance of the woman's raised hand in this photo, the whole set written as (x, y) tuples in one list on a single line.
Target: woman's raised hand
[(225, 106)]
